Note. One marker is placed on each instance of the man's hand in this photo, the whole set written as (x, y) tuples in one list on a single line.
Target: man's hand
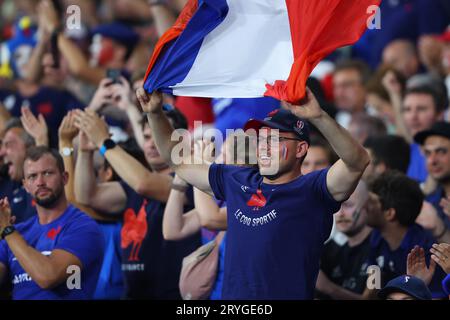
[(103, 95), (67, 130), (441, 255), (417, 266), (121, 94), (48, 16), (5, 214), (150, 103), (391, 84), (93, 126), (308, 109), (36, 127), (430, 220), (445, 205)]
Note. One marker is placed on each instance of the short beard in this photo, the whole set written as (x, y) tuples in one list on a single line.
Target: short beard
[(51, 201)]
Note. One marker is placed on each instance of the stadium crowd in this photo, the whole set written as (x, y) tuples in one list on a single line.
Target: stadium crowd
[(87, 181)]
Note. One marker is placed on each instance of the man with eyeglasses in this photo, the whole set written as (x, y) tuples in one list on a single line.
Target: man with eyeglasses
[(277, 219)]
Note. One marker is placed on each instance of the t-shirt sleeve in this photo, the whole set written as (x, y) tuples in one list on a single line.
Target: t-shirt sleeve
[(83, 239), (3, 253), (319, 186), (216, 180)]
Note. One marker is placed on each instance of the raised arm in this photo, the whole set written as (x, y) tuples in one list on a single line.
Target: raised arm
[(145, 182), (344, 175), (210, 215), (194, 174), (107, 197), (66, 133), (178, 225), (77, 61)]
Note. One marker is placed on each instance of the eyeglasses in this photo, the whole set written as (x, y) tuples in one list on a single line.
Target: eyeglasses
[(268, 139)]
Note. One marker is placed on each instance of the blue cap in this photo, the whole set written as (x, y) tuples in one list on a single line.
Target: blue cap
[(119, 32), (283, 120), (409, 285)]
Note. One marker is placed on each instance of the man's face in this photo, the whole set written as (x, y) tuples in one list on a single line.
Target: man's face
[(102, 51), (375, 214), (13, 151), (316, 159), (399, 296), (353, 214), (278, 156), (437, 153), (349, 92), (151, 153), (419, 112), (43, 181)]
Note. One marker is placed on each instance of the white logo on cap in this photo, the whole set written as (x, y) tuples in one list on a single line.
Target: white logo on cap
[(407, 279)]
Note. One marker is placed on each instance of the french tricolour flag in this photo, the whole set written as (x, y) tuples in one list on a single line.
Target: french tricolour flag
[(252, 48)]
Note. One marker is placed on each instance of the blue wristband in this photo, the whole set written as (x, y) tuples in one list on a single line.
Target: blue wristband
[(103, 150)]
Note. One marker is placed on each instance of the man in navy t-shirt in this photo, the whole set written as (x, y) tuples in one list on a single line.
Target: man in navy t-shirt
[(278, 219), (396, 203), (58, 253)]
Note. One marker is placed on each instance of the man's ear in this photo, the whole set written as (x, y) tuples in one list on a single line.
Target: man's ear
[(390, 215), (380, 168), (302, 149), (65, 177), (24, 183), (109, 174)]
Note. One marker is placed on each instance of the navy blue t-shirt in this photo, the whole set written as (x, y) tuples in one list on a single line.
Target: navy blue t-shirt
[(73, 232), (275, 233), (151, 264), (53, 104), (393, 263)]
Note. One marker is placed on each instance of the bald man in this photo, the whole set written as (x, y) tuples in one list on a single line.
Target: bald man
[(402, 55), (343, 271)]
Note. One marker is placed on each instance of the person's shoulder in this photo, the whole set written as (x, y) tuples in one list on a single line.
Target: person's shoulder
[(79, 217), (419, 234)]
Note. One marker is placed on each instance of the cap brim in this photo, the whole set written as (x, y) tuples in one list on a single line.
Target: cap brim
[(383, 293), (258, 124), (422, 136)]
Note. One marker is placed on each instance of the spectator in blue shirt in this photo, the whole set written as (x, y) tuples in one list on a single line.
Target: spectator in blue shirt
[(397, 201), (436, 147), (42, 254), (277, 221), (16, 141)]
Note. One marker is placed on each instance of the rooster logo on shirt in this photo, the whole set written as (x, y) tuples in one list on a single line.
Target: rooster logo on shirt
[(134, 231), (257, 201)]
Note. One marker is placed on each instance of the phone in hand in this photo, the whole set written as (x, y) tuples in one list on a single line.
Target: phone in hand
[(114, 75)]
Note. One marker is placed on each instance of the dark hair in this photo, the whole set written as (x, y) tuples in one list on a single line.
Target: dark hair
[(358, 65), (36, 153), (176, 118), (439, 95), (391, 150), (401, 193), (15, 123)]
